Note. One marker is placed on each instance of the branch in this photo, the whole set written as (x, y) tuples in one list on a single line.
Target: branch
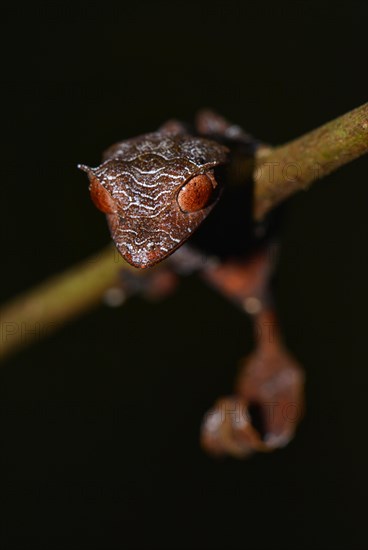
[(294, 166), (40, 311), (278, 173)]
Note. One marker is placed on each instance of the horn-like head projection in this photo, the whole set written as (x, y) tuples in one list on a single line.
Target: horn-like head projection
[(156, 189)]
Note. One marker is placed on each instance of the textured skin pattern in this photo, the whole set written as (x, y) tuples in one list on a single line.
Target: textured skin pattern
[(143, 177)]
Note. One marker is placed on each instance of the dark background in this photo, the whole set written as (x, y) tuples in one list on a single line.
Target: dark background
[(99, 424)]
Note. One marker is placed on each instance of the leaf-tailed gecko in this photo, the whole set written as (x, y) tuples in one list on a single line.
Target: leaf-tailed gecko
[(160, 189)]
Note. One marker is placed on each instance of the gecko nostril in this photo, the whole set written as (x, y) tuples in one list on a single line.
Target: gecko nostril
[(196, 193)]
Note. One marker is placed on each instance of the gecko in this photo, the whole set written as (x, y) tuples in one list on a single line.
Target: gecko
[(179, 194)]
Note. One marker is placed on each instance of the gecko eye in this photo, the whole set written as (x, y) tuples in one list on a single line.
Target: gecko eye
[(196, 193), (101, 198)]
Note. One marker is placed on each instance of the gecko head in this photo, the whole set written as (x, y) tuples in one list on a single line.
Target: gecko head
[(156, 190)]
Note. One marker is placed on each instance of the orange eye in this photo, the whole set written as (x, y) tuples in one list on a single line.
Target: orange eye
[(196, 193), (101, 197)]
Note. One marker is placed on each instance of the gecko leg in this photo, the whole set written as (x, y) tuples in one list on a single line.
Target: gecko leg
[(212, 125), (174, 126)]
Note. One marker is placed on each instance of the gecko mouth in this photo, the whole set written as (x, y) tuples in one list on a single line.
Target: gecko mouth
[(145, 245)]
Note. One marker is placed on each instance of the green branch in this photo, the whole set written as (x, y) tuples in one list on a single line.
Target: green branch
[(296, 165), (38, 312)]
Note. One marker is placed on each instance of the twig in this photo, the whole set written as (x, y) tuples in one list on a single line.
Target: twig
[(278, 173), (40, 311), (294, 166)]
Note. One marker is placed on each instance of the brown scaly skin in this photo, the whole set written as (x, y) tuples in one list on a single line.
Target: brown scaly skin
[(156, 190)]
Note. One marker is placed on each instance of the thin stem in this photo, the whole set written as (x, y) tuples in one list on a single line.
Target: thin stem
[(294, 166), (35, 314)]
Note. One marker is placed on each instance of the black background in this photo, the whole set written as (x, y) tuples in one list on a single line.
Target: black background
[(99, 424)]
